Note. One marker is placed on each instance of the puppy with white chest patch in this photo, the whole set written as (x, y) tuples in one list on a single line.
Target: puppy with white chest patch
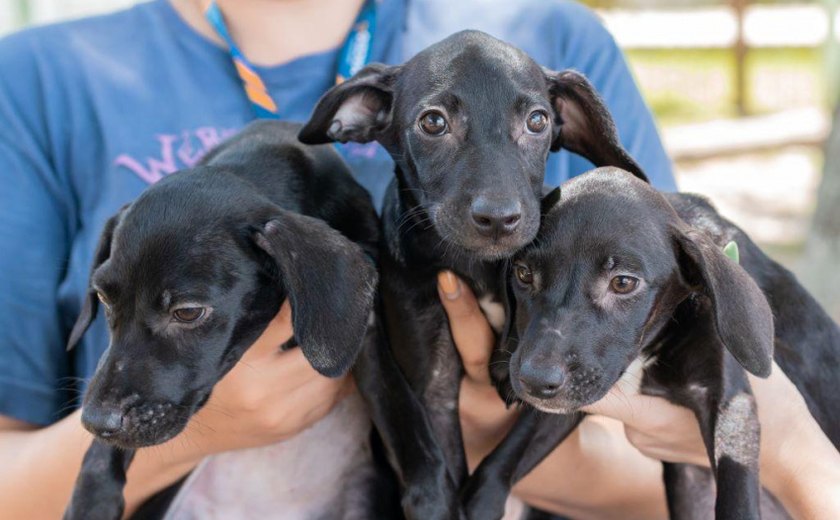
[(629, 289), (469, 122)]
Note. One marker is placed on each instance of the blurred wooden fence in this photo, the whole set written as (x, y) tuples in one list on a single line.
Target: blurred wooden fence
[(738, 26)]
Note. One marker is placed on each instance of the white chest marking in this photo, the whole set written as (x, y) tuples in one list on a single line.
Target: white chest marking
[(494, 311), (631, 380)]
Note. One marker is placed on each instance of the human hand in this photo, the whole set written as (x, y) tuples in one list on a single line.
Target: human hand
[(653, 425), (485, 419), (611, 479), (798, 464), (665, 431), (267, 397)]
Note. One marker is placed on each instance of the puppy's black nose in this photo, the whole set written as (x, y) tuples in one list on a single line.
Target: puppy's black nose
[(541, 382), (102, 420), (495, 217)]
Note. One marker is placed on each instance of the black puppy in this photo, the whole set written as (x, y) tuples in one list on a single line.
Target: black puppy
[(469, 122), (191, 273), (627, 286)]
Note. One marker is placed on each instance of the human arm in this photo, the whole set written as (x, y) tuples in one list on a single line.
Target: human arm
[(797, 462), (267, 397), (799, 465), (49, 201)]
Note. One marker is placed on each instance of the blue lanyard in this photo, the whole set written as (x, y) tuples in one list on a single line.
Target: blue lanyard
[(355, 54)]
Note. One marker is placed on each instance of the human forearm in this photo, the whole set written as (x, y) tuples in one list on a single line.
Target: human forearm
[(811, 492), (798, 463), (268, 397), (595, 473), (585, 477), (40, 468)]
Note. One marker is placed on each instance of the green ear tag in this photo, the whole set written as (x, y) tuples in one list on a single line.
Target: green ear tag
[(731, 250)]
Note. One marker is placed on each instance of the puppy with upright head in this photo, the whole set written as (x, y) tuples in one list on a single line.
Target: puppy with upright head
[(191, 273), (469, 123), (627, 286)]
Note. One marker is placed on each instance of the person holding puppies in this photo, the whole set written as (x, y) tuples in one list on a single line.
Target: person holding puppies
[(97, 109)]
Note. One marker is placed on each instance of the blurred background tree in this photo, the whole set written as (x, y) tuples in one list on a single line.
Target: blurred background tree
[(819, 268), (821, 265)]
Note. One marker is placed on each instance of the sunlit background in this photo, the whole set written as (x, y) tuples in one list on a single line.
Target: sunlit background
[(743, 93)]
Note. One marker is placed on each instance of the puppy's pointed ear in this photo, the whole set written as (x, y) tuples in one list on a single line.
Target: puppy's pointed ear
[(91, 302), (742, 316), (330, 284), (358, 109), (583, 123)]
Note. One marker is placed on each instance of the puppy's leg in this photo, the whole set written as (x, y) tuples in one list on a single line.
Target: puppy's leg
[(439, 396), (422, 346), (730, 428), (735, 431), (428, 490), (689, 490), (98, 493), (534, 435), (694, 497)]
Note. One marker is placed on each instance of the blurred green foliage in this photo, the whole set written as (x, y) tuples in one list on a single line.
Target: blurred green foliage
[(690, 85)]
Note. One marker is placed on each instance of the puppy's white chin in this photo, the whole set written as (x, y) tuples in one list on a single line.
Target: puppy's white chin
[(547, 408)]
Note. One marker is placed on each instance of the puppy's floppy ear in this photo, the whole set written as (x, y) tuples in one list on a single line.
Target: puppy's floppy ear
[(91, 302), (358, 109), (583, 123), (742, 316), (330, 284)]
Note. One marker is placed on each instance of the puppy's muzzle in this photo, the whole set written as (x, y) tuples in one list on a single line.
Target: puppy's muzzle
[(102, 421), (495, 218), (135, 426), (541, 382)]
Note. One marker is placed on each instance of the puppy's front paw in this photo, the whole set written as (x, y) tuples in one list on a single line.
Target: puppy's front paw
[(434, 501), (98, 494), (483, 498), (105, 510)]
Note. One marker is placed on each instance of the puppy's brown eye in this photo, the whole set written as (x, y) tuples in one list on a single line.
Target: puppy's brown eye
[(188, 314), (624, 284), (537, 122), (433, 123), (524, 274)]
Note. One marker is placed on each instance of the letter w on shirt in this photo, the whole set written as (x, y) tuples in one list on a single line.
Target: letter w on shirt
[(177, 151)]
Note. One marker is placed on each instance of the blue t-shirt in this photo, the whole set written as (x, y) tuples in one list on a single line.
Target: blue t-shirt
[(93, 111)]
